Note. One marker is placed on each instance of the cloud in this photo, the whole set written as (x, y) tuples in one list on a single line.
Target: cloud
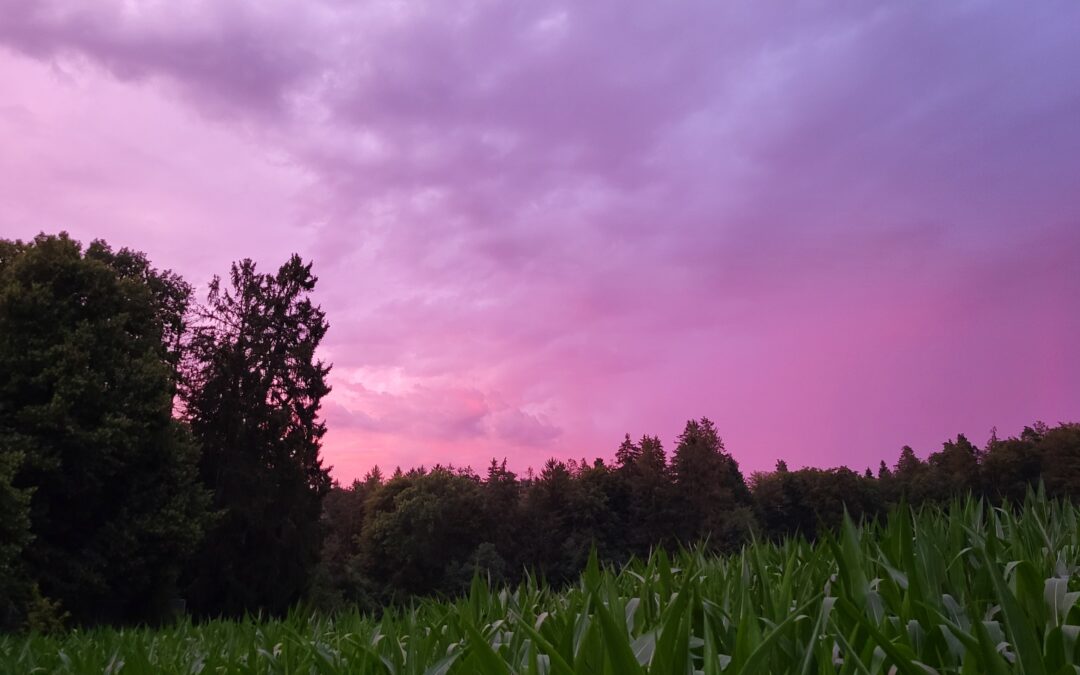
[(558, 222), (517, 427), (234, 52), (432, 412)]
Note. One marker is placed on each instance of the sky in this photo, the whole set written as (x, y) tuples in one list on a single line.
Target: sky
[(832, 228)]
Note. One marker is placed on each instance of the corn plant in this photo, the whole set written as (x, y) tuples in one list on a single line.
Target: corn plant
[(965, 589)]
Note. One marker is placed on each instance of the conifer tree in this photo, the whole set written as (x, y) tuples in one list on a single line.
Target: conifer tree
[(627, 454), (712, 489), (252, 397)]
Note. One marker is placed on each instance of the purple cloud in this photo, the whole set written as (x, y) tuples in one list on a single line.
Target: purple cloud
[(833, 228)]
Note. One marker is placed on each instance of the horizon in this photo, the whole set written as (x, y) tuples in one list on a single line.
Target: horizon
[(539, 228)]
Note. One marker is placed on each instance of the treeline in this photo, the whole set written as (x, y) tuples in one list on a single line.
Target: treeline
[(428, 531), (161, 454)]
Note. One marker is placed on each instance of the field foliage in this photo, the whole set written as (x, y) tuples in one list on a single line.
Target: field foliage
[(966, 589)]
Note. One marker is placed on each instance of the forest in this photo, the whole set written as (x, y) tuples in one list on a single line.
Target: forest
[(160, 458)]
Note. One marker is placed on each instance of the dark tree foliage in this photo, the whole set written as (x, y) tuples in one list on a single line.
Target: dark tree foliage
[(628, 453), (809, 502), (550, 517), (428, 531), (952, 470), (1061, 461), (648, 498), (425, 532), (502, 506), (14, 502), (88, 343), (780, 502), (339, 579), (14, 535), (596, 519), (715, 501), (252, 396), (1010, 466), (417, 524)]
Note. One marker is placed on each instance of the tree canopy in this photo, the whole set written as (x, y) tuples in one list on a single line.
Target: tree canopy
[(253, 388), (88, 443)]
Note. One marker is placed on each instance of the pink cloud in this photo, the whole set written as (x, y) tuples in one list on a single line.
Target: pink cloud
[(833, 229)]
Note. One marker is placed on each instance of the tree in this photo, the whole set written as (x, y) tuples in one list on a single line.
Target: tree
[(14, 506), (834, 491), (86, 396), (423, 529), (887, 486), (565, 512), (1011, 466), (336, 579), (716, 501), (1060, 448), (502, 509), (780, 500), (953, 470), (909, 477), (14, 535), (884, 472), (628, 453), (599, 520), (252, 395), (653, 459), (651, 498)]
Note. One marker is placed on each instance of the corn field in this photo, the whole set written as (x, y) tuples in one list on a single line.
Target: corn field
[(968, 589)]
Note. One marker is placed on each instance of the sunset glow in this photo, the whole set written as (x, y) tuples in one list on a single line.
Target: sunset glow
[(539, 226)]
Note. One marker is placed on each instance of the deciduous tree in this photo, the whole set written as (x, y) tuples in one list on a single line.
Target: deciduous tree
[(87, 347)]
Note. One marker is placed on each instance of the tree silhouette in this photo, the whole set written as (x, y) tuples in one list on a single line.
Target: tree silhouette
[(714, 496), (252, 395), (87, 348)]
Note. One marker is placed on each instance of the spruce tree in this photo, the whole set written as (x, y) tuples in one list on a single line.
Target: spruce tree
[(714, 495), (627, 454), (252, 397)]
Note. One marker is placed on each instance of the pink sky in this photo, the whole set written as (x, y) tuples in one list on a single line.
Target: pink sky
[(833, 228)]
